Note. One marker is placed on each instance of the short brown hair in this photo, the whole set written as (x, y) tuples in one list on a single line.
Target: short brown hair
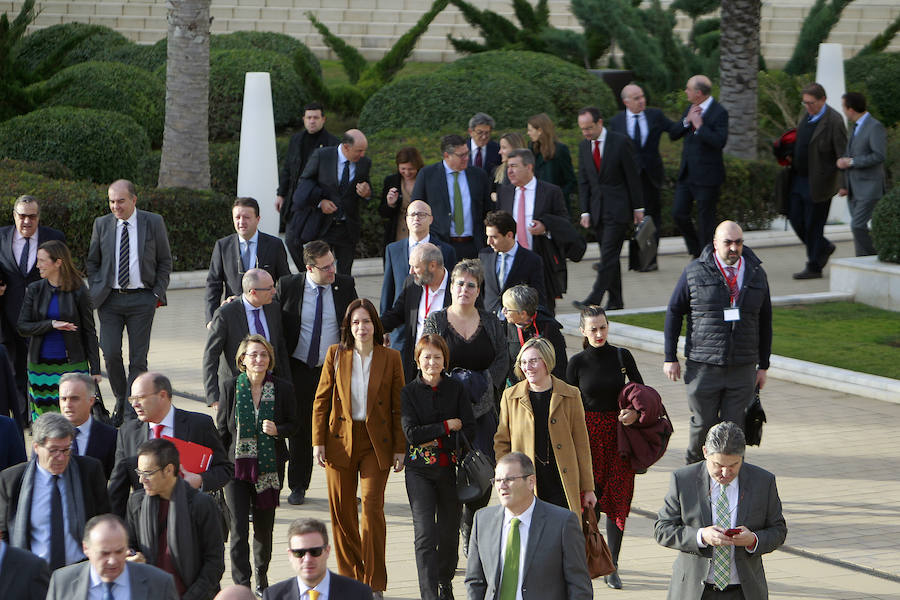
[(500, 220), (307, 525), (314, 250), (347, 340), (242, 350), (248, 203), (432, 339), (815, 90), (410, 154)]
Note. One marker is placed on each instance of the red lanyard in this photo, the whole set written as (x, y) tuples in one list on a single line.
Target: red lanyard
[(731, 281), (536, 332), (427, 302)]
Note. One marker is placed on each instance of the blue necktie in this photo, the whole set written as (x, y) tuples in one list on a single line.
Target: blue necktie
[(246, 257), (257, 323), (23, 260), (312, 358), (108, 590)]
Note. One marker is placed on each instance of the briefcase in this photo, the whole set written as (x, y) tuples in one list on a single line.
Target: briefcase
[(753, 424), (643, 245)]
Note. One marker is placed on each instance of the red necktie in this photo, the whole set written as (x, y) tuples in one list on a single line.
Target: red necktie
[(157, 431), (597, 159), (521, 229), (478, 161), (731, 278)]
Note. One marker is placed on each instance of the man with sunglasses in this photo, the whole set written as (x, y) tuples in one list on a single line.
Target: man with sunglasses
[(308, 552)]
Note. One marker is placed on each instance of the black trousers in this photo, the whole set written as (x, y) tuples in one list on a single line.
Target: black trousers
[(300, 465), (652, 203), (240, 496), (808, 220), (17, 349), (435, 513), (707, 196), (729, 593), (342, 246), (464, 249), (610, 237)]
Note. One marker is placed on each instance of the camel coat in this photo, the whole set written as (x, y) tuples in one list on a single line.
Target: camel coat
[(332, 423), (568, 434)]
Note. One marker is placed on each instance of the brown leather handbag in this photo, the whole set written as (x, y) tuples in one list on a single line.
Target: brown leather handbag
[(599, 558)]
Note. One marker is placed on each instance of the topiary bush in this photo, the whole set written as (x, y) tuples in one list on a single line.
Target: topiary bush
[(879, 77), (111, 86), (227, 69), (149, 57), (264, 40), (88, 41), (96, 144), (448, 99), (886, 226)]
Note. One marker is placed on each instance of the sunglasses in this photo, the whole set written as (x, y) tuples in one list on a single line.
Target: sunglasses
[(301, 552)]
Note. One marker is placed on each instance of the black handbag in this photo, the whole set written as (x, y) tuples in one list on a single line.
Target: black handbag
[(643, 246), (753, 425), (99, 410), (473, 472)]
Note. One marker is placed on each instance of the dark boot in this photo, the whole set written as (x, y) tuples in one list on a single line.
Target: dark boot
[(614, 539)]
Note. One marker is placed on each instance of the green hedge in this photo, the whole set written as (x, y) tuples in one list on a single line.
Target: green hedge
[(37, 46), (149, 57), (110, 86), (96, 144), (72, 206), (264, 40), (878, 77), (886, 226)]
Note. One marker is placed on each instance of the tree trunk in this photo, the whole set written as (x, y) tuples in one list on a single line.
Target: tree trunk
[(738, 67), (185, 150)]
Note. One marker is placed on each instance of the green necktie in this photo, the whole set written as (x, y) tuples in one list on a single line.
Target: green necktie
[(722, 554), (510, 578), (458, 217)]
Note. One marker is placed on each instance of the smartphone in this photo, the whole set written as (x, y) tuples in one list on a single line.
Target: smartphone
[(732, 532)]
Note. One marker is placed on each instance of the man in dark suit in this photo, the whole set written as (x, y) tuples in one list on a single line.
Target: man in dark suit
[(459, 197), (18, 268), (40, 508), (239, 252), (255, 311), (427, 272), (863, 165), (128, 267), (396, 261), (182, 537), (308, 552), (507, 263), (723, 515), (609, 190), (484, 152), (12, 445), (313, 304), (107, 570), (644, 126), (151, 397), (341, 176), (704, 127), (540, 213), (815, 178), (23, 575), (549, 536), (302, 145), (92, 438)]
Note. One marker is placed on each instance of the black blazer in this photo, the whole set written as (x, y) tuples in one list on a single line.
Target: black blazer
[(189, 426), (431, 187), (102, 445), (391, 213), (491, 156), (613, 193), (322, 169), (12, 444), (75, 307), (294, 162), (24, 576), (424, 413), (647, 156), (228, 327), (548, 328), (9, 404), (93, 488), (701, 155), (290, 295), (343, 588), (405, 311), (527, 268), (548, 198), (287, 421), (16, 283), (226, 268)]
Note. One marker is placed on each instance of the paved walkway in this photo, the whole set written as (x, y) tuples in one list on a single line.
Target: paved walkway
[(835, 456)]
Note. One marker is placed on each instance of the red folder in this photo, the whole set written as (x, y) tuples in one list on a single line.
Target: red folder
[(195, 458)]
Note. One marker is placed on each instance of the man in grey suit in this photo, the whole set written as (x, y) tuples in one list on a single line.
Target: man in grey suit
[(255, 311), (723, 515), (235, 254), (863, 166), (128, 267), (107, 573), (545, 540)]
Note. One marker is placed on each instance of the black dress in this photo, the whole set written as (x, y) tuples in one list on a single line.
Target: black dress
[(549, 485)]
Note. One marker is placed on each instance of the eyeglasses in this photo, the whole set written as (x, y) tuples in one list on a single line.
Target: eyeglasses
[(481, 132), (133, 399), (506, 311), (301, 552), (461, 154), (265, 289), (255, 355), (24, 216), (466, 284), (531, 362), (417, 215), (58, 451), (507, 480), (326, 268), (147, 474)]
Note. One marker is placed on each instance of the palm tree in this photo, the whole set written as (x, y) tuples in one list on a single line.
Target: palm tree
[(738, 67), (185, 150)]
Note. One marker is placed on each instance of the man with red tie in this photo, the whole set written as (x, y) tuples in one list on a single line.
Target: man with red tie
[(609, 190)]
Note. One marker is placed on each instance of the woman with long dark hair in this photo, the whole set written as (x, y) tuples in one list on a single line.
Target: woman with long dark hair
[(552, 159)]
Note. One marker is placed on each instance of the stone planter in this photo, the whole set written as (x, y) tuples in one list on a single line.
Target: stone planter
[(870, 281)]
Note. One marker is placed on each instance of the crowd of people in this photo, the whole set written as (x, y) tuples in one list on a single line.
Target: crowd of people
[(464, 355)]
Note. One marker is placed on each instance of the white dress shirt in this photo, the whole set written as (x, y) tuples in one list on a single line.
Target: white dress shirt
[(19, 245), (251, 321), (134, 266), (474, 149), (530, 189), (121, 586), (435, 302), (739, 265), (168, 424), (254, 248), (340, 164), (359, 385), (40, 518), (704, 106), (466, 202), (524, 528), (83, 435), (412, 243), (331, 332), (324, 588)]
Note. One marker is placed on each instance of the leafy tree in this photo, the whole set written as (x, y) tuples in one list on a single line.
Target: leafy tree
[(822, 18), (694, 8), (881, 41)]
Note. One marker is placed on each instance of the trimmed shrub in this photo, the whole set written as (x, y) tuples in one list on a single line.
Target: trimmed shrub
[(886, 226), (149, 57), (264, 40), (878, 76), (111, 86), (449, 99), (96, 144), (72, 206), (569, 87), (39, 45), (226, 89)]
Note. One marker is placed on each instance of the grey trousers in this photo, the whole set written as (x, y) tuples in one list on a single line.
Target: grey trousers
[(861, 210)]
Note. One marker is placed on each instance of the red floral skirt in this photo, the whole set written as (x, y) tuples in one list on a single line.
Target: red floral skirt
[(613, 477)]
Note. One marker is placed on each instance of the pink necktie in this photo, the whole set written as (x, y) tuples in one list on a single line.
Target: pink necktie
[(521, 227)]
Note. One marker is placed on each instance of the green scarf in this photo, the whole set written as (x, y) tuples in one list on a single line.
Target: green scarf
[(254, 453)]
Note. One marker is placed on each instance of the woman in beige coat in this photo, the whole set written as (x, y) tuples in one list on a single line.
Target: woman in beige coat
[(543, 417)]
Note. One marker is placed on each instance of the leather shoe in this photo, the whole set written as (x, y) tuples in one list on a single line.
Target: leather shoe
[(807, 273), (612, 580), (297, 497), (445, 591), (610, 307), (826, 254), (581, 305)]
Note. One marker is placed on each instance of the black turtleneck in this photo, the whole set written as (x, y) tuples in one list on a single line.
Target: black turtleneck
[(596, 372)]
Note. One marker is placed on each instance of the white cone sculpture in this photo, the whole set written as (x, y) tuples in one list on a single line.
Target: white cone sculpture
[(258, 163)]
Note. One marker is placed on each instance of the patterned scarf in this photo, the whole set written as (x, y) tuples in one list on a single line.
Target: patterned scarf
[(254, 453)]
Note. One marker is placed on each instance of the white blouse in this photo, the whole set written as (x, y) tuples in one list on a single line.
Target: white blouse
[(359, 385)]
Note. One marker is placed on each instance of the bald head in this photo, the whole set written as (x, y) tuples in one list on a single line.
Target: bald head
[(698, 89), (729, 242), (418, 219), (633, 98), (354, 144), (235, 592), (122, 199)]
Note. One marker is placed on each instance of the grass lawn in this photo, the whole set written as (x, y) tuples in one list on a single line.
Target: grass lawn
[(839, 334)]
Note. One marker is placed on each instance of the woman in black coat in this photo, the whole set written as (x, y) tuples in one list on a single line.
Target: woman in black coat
[(57, 314), (396, 194)]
